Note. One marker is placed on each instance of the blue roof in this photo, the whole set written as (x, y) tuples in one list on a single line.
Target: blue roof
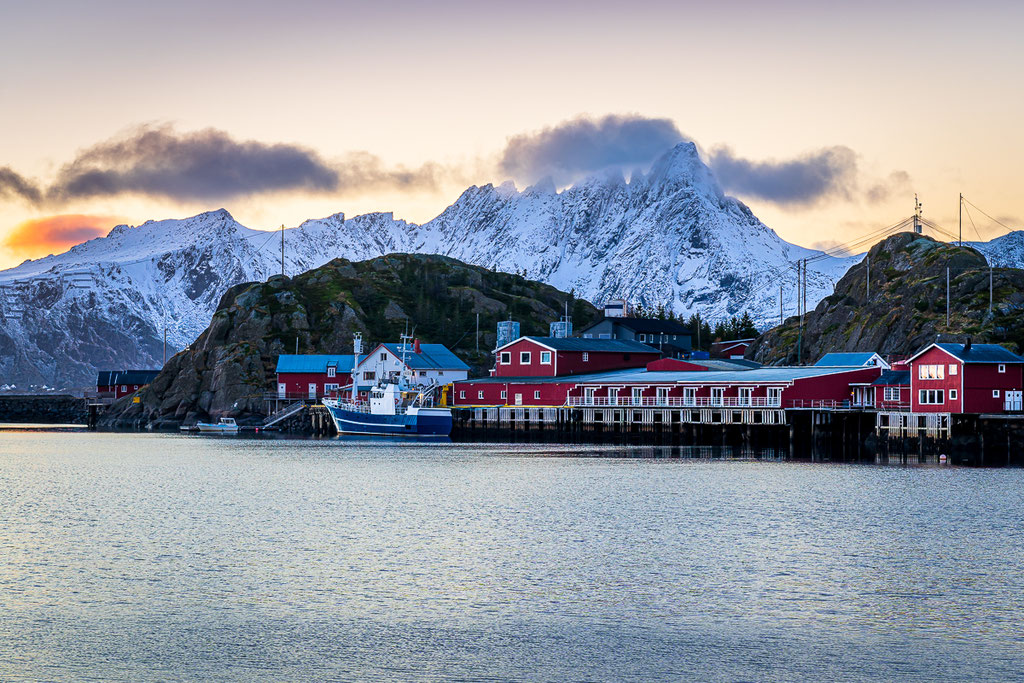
[(430, 357), (312, 363), (593, 345), (764, 375), (891, 378), (854, 358), (980, 353)]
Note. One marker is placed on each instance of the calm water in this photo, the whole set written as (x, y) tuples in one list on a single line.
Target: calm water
[(166, 557)]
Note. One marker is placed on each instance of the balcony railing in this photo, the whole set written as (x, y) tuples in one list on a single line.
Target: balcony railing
[(673, 402)]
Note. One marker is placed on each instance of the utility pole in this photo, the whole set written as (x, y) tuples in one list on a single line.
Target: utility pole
[(478, 333), (165, 338), (868, 278), (781, 316), (282, 250), (961, 210), (947, 298), (800, 308), (990, 288)]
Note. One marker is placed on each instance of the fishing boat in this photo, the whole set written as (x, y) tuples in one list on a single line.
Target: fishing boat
[(226, 425), (396, 407)]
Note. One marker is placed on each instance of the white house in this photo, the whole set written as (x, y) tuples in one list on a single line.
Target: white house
[(427, 364)]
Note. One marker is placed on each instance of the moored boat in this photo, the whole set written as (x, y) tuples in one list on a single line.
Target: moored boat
[(226, 425)]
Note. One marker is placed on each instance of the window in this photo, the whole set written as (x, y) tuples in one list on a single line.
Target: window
[(524, 357), (1002, 368), (480, 394), (613, 397), (893, 394), (716, 395), (604, 335), (689, 396), (586, 357), (638, 396), (124, 387), (931, 372), (775, 396), (745, 393), (643, 337), (462, 394), (588, 396), (545, 358), (440, 373), (332, 371), (931, 397), (330, 387), (369, 375), (995, 393), (588, 336), (662, 395), (952, 369), (506, 357), (952, 394), (504, 394), (536, 395), (383, 356)]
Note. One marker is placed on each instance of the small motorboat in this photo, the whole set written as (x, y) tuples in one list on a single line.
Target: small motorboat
[(226, 425)]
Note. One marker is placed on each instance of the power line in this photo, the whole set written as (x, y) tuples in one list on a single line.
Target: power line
[(1004, 225)]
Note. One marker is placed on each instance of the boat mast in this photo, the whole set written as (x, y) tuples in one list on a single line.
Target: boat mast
[(357, 348)]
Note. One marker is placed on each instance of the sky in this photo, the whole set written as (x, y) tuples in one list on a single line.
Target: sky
[(824, 119)]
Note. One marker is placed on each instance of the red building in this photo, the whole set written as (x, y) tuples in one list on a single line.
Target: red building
[(891, 391), (966, 378), (557, 357), (312, 376), (741, 387), (118, 383)]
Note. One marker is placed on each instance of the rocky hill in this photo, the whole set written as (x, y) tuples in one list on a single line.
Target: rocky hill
[(231, 365), (906, 308)]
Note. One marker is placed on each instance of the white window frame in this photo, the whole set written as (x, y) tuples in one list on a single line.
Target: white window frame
[(462, 394), (891, 394), (689, 396), (717, 396), (774, 395), (995, 393), (662, 395), (1002, 367), (931, 397), (332, 371), (613, 396), (586, 357), (927, 372), (506, 358), (542, 355), (536, 395), (383, 355), (745, 396), (525, 357), (952, 394), (480, 395), (637, 395), (952, 369), (504, 394)]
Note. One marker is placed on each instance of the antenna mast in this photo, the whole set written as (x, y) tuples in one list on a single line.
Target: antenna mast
[(917, 215)]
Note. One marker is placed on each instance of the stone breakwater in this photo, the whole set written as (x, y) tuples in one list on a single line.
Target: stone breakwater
[(49, 409)]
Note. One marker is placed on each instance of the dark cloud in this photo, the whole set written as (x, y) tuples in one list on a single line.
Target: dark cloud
[(13, 184), (204, 165), (585, 145), (210, 165), (830, 172)]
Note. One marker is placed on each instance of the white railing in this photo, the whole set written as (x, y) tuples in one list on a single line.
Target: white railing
[(672, 402)]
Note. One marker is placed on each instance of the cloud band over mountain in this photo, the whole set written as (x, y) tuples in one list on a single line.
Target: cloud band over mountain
[(211, 166)]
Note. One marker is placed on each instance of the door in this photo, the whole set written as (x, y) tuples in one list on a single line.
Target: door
[(312, 389), (282, 390), (716, 395), (662, 396), (588, 396), (519, 399), (1013, 400), (638, 396)]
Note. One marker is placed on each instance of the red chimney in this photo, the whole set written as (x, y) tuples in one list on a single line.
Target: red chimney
[(416, 345)]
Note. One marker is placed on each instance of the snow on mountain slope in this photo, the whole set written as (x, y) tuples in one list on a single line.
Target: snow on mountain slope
[(669, 236), (1003, 252)]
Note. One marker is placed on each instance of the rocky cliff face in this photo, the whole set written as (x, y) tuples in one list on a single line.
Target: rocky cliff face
[(231, 365), (906, 308)]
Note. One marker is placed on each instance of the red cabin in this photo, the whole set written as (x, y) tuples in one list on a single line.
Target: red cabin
[(313, 376), (118, 383), (966, 378), (558, 356)]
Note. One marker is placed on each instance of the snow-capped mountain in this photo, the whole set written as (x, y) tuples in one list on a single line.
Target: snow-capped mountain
[(669, 236), (1003, 252)]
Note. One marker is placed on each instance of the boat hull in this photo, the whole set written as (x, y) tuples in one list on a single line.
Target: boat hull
[(422, 422)]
